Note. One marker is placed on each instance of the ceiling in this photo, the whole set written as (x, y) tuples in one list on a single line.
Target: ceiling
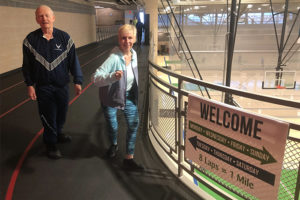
[(219, 6), (204, 6), (118, 4)]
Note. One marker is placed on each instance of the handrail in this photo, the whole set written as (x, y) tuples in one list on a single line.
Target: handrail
[(104, 32), (167, 134), (260, 97)]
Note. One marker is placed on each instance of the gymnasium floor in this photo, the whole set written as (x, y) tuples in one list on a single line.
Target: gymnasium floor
[(250, 80), (84, 173)]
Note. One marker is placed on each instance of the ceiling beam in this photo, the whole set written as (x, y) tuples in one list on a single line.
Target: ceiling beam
[(222, 2)]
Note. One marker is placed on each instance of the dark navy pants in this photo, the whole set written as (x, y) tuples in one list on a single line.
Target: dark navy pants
[(53, 107)]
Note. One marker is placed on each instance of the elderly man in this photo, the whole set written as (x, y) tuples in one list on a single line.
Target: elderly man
[(48, 57)]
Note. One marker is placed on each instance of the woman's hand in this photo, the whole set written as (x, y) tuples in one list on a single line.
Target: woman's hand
[(118, 74)]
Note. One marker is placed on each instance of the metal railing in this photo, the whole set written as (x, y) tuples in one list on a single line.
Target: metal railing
[(166, 124), (105, 32)]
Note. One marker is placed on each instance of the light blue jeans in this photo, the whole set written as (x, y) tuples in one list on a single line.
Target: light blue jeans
[(132, 119)]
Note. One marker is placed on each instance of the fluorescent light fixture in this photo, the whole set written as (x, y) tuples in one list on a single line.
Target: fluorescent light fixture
[(249, 6), (265, 4), (258, 8), (196, 7)]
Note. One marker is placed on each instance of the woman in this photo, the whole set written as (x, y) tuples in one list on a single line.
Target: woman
[(117, 79)]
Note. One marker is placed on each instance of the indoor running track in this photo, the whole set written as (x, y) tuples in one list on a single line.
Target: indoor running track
[(84, 173)]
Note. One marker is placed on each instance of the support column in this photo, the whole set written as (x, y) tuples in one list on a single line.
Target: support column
[(151, 8)]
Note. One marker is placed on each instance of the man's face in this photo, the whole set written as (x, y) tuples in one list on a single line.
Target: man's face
[(126, 41), (45, 17)]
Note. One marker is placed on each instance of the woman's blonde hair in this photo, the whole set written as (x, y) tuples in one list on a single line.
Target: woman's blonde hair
[(127, 27)]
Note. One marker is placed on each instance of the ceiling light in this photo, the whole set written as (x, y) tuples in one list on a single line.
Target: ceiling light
[(249, 6)]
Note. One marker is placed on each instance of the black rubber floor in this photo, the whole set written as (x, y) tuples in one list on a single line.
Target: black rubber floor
[(84, 173)]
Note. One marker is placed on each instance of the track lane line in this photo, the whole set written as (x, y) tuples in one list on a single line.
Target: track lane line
[(12, 183), (14, 108), (12, 86), (82, 54), (23, 102)]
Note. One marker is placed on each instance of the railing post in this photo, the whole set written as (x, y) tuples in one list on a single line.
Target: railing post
[(233, 18), (180, 129), (180, 113), (297, 190)]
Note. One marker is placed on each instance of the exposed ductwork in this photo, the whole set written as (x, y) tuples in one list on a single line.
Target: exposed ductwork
[(119, 4)]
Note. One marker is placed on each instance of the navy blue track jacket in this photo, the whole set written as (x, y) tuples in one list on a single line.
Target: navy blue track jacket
[(49, 62)]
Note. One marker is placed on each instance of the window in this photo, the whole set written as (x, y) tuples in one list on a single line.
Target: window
[(193, 19), (254, 18), (268, 19), (208, 19), (242, 19), (279, 18), (222, 18)]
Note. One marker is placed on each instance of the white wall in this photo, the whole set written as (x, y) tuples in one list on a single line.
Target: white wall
[(16, 23)]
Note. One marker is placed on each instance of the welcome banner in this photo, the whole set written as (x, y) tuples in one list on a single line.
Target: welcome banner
[(242, 148)]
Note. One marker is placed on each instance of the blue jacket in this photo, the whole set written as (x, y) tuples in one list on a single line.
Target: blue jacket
[(49, 62), (111, 91)]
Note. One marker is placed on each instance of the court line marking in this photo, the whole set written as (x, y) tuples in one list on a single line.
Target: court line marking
[(286, 189)]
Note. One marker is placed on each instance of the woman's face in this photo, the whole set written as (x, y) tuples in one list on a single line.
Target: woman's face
[(126, 40)]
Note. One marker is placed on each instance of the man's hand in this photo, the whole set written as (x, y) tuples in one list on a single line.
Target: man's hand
[(118, 74), (77, 89), (31, 93)]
